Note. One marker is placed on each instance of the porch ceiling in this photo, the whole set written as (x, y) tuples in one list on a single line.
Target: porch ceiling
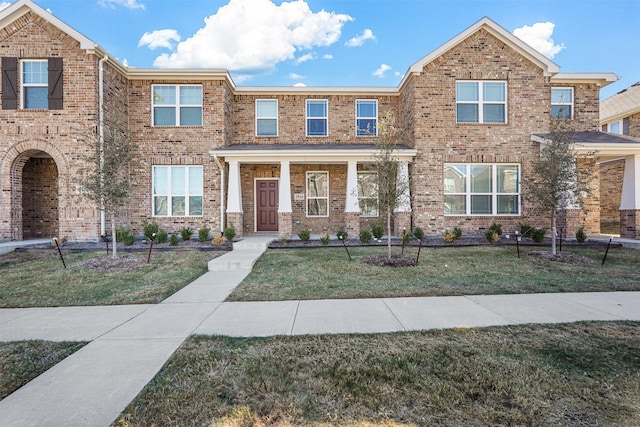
[(606, 146), (307, 153)]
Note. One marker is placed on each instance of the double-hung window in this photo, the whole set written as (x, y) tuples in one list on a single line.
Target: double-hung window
[(614, 127), (318, 194), (481, 102), (35, 83), (177, 190), (266, 117), (366, 117), (562, 103), (482, 189), (317, 119), (368, 193), (177, 105)]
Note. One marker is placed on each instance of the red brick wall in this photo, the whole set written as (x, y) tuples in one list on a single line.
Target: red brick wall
[(611, 177)]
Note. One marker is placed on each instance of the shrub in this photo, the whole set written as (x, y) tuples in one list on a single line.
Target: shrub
[(449, 237), (121, 233), (173, 241), (365, 236), (282, 240), (186, 233), (377, 230), (418, 232), (218, 239), (304, 235), (526, 229), (492, 235), (125, 236), (406, 236), (457, 231), (495, 228), (203, 234), (162, 236), (324, 238), (229, 233), (148, 229), (581, 236), (537, 235), (342, 235)]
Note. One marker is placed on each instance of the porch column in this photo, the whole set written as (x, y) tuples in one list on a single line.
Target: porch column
[(235, 215), (630, 199), (402, 213), (351, 206), (285, 213)]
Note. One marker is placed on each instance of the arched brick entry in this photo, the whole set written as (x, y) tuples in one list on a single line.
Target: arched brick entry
[(39, 197)]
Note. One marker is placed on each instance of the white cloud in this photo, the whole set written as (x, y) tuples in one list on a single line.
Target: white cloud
[(299, 84), (129, 4), (159, 38), (306, 57), (538, 36), (252, 36), (294, 76), (380, 72), (327, 56), (4, 4), (367, 34)]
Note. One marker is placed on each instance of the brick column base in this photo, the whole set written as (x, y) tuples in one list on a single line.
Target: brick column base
[(630, 223), (352, 224), (236, 220), (401, 221), (569, 221), (285, 224)]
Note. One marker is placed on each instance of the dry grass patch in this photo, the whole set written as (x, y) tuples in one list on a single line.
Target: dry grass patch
[(573, 374)]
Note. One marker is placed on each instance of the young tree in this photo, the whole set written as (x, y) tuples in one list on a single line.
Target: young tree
[(391, 190), (561, 178), (105, 178)]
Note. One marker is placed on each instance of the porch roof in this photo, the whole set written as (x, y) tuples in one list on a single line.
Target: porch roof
[(607, 146), (307, 153)]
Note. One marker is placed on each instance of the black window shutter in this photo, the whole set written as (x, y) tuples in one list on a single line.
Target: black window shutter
[(9, 83), (55, 83)]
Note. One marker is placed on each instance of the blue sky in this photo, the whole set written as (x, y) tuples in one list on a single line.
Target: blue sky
[(348, 42)]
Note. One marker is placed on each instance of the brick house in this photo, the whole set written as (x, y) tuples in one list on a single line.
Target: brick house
[(281, 159)]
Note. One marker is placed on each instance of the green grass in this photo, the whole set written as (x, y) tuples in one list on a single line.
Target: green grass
[(37, 279), (21, 361), (573, 374), (290, 274)]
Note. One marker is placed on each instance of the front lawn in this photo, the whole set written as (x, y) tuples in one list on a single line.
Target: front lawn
[(573, 374), (317, 273)]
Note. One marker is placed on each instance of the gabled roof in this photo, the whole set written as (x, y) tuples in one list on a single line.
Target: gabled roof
[(22, 7), (621, 105), (602, 144)]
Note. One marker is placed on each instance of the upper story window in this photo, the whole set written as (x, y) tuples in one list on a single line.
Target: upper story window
[(177, 105), (318, 194), (177, 190), (317, 119), (266, 117), (481, 102), (613, 127), (32, 84), (562, 103), (35, 83), (366, 117)]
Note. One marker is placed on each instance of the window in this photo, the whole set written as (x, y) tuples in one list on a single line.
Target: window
[(368, 193), (613, 127), (562, 103), (39, 80), (35, 84), (481, 102), (317, 117), (266, 117), (177, 190), (177, 105), (366, 117), (482, 189), (317, 193)]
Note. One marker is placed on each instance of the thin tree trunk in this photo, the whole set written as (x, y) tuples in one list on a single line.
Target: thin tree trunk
[(554, 215), (113, 233), (389, 234)]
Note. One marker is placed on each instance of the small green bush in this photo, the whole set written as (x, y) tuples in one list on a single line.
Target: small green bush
[(342, 235), (406, 236), (186, 233), (526, 229), (377, 230), (174, 240), (121, 233), (449, 237), (229, 233), (203, 234), (365, 236), (162, 236), (148, 229), (457, 232), (418, 232), (304, 235), (282, 240), (537, 235), (495, 228), (581, 236), (125, 236), (492, 235), (325, 238)]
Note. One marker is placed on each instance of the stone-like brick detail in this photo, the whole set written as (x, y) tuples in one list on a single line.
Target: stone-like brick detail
[(285, 225), (402, 221), (611, 177), (352, 224), (235, 220), (40, 198), (630, 223)]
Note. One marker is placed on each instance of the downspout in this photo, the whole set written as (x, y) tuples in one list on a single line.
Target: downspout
[(103, 229), (215, 157)]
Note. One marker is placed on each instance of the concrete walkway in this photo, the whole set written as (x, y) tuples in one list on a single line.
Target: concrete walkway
[(129, 344)]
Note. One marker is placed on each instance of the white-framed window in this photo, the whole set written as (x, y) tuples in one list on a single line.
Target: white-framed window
[(481, 189), (562, 103), (614, 127), (266, 117), (317, 117), (35, 84), (366, 117), (318, 194), (177, 105), (177, 190), (481, 101), (368, 193)]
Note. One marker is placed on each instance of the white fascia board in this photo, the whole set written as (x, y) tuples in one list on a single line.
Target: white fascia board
[(323, 90), (177, 74), (621, 150), (601, 79), (308, 155)]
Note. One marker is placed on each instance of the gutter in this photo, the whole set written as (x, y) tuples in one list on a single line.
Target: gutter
[(215, 157)]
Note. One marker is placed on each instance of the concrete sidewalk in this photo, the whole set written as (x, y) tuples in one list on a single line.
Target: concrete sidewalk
[(129, 344)]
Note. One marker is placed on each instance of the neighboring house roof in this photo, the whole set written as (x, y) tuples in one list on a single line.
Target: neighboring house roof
[(621, 105), (604, 145)]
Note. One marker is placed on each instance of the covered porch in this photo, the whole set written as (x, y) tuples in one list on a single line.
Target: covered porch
[(284, 188)]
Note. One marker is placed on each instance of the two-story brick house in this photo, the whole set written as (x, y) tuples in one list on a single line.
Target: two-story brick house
[(280, 159)]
